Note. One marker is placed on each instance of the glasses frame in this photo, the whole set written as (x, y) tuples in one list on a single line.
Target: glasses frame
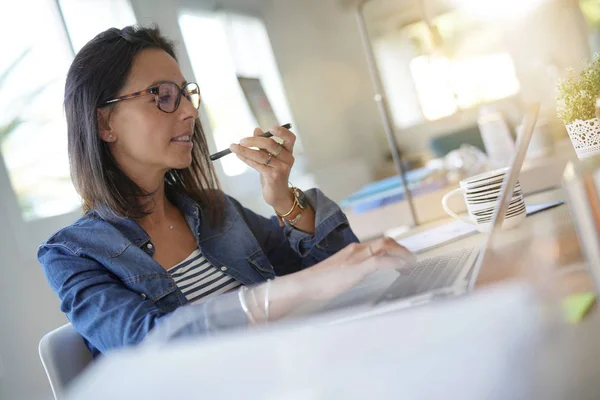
[(182, 92)]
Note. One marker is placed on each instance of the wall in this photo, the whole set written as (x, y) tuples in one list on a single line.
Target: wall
[(320, 57), (543, 44), (319, 54), (28, 308)]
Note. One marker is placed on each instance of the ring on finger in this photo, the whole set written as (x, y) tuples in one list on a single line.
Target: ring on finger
[(278, 151), (269, 159)]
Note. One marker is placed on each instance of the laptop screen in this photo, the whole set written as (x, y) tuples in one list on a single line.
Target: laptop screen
[(508, 184)]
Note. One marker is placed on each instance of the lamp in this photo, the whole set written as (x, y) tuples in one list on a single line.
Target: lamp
[(383, 107)]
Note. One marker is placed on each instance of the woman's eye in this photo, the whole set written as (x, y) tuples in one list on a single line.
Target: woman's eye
[(163, 99)]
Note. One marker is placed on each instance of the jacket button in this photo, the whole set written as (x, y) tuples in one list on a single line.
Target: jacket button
[(143, 296), (223, 268), (149, 245)]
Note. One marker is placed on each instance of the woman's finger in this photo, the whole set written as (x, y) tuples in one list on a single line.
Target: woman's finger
[(390, 248), (257, 132), (379, 249), (385, 246), (388, 245), (259, 156), (273, 162), (270, 146), (261, 168), (288, 137), (386, 253)]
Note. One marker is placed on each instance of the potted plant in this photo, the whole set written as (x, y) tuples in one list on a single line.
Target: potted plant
[(576, 107)]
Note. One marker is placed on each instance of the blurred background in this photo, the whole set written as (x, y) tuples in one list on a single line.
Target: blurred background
[(443, 64)]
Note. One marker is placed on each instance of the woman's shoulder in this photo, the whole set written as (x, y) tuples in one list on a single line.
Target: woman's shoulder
[(88, 228)]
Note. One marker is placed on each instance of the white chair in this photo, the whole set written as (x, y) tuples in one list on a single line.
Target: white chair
[(64, 355)]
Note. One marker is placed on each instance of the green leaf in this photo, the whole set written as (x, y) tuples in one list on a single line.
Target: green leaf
[(6, 130), (576, 94)]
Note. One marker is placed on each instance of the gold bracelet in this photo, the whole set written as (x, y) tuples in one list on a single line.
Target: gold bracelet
[(294, 221), (291, 210)]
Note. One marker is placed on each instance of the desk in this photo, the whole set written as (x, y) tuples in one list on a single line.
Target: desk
[(542, 251), (495, 344), (537, 175), (544, 246)]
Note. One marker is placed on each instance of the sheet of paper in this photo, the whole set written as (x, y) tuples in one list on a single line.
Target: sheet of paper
[(452, 231), (535, 208), (434, 237)]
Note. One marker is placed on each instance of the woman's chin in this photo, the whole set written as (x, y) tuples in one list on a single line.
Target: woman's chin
[(181, 164)]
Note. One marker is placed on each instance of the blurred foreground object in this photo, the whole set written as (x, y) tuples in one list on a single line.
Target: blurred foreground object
[(581, 183), (495, 344), (577, 305)]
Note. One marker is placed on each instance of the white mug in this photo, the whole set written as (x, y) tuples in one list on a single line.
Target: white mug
[(481, 193)]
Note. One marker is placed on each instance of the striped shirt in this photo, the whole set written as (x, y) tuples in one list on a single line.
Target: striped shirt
[(198, 279)]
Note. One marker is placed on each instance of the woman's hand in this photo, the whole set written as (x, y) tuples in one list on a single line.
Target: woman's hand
[(340, 272), (311, 287), (274, 163)]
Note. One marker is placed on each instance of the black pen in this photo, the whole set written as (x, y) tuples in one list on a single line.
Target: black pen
[(223, 153)]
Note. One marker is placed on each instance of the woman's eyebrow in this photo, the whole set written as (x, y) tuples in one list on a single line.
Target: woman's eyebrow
[(165, 81)]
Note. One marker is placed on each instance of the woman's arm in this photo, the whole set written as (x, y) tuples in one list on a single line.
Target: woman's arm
[(107, 313), (322, 229), (307, 219), (110, 316), (298, 293), (290, 249)]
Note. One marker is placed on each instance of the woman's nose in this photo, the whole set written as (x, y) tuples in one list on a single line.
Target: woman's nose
[(187, 109)]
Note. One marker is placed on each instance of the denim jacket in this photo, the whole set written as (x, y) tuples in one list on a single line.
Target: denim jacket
[(114, 293)]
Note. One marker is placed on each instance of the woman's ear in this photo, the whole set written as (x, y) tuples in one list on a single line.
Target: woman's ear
[(104, 130)]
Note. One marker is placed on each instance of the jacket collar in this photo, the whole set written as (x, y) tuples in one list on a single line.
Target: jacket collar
[(137, 235)]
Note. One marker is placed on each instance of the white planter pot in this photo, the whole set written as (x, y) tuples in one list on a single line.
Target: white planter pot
[(585, 137)]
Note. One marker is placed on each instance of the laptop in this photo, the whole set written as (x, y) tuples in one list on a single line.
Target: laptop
[(454, 273)]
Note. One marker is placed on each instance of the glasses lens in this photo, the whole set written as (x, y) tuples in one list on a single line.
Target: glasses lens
[(192, 92), (167, 97)]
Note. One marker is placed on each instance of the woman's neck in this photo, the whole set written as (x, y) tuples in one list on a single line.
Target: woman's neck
[(161, 209)]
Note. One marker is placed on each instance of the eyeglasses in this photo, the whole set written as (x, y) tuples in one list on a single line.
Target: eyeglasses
[(167, 95)]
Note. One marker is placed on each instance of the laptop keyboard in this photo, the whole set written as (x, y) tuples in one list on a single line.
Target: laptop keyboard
[(428, 274)]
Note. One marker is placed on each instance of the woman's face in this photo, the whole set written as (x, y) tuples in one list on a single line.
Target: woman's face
[(144, 138)]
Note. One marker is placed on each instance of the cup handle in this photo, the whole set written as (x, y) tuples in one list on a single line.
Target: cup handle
[(449, 211)]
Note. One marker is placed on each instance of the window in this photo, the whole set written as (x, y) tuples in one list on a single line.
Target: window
[(456, 62), (591, 11), (225, 49), (33, 136), (86, 19), (33, 68), (444, 85)]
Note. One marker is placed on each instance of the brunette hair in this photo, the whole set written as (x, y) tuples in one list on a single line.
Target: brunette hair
[(97, 74)]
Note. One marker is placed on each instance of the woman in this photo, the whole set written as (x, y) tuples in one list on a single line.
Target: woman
[(157, 233)]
